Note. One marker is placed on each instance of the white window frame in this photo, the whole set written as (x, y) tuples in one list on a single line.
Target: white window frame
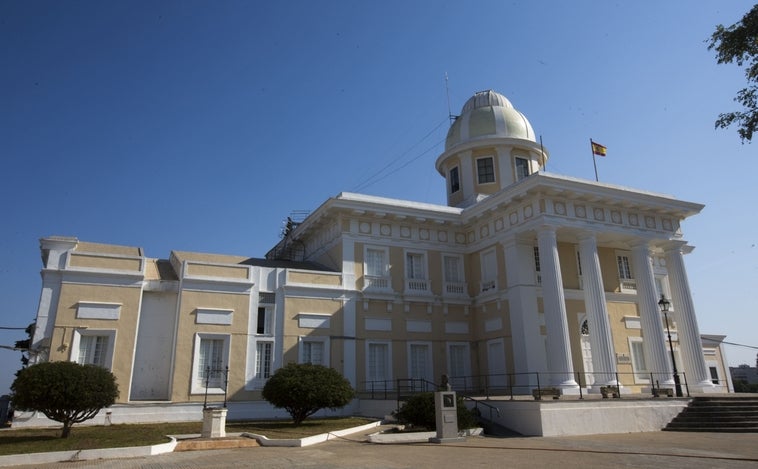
[(107, 358), (494, 171), (268, 321), (455, 179), (455, 282), (372, 281), (198, 385), (416, 276), (518, 165), (388, 364), (456, 378), (637, 371), (428, 374), (489, 283), (258, 361), (305, 342), (625, 272)]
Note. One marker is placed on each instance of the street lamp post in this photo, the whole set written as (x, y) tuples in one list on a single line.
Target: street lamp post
[(664, 305)]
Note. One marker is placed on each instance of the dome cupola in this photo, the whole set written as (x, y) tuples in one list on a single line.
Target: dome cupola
[(488, 147), (488, 114)]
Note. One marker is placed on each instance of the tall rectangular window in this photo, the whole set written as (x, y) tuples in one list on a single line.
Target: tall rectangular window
[(312, 352), (376, 263), (625, 268), (414, 266), (211, 363), (93, 350), (453, 269), (419, 363), (485, 170), (378, 366), (263, 325), (489, 270), (638, 361), (458, 361), (455, 181), (522, 168), (263, 359)]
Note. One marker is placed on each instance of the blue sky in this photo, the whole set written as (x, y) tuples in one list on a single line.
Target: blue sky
[(195, 125)]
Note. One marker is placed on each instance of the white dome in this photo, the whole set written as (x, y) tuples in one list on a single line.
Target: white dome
[(488, 114)]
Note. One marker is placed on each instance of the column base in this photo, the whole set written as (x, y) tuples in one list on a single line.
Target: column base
[(707, 387)]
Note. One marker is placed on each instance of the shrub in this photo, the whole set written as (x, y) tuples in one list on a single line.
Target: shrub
[(304, 389), (418, 411), (64, 391)]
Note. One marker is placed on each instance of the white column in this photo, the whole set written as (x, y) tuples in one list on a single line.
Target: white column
[(528, 349), (601, 340), (556, 324), (687, 329), (654, 342)]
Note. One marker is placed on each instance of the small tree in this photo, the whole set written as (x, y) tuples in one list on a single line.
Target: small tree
[(304, 389), (64, 391)]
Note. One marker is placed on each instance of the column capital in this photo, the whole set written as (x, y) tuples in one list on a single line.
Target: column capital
[(585, 235), (677, 246), (515, 240)]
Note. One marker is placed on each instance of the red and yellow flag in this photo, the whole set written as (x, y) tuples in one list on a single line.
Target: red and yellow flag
[(598, 149)]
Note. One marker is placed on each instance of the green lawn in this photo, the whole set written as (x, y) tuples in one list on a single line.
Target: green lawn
[(115, 436)]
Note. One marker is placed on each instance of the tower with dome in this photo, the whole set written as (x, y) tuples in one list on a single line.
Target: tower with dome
[(524, 279)]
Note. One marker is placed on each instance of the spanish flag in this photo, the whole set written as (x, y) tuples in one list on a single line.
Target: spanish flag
[(598, 149)]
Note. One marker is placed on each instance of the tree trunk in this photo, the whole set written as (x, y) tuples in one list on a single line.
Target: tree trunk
[(66, 430)]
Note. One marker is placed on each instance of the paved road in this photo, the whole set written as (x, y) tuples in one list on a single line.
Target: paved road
[(660, 450)]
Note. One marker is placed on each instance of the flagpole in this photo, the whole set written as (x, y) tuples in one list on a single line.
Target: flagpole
[(594, 163)]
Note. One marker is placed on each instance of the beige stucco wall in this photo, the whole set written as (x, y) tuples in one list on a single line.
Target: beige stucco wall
[(125, 326), (223, 271), (190, 301), (314, 278), (104, 261)]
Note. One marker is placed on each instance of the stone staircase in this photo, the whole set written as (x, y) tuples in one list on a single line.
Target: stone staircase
[(733, 414)]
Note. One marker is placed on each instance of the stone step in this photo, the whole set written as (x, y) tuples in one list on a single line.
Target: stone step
[(718, 414), (712, 423), (714, 429)]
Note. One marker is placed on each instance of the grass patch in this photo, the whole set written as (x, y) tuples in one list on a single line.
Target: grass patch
[(39, 440)]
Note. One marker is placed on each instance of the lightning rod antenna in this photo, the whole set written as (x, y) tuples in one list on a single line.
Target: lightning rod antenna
[(449, 112)]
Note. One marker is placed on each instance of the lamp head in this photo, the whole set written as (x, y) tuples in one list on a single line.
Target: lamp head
[(664, 304)]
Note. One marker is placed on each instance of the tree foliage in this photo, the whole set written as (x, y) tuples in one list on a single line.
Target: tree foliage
[(418, 411), (64, 391), (304, 389), (738, 43)]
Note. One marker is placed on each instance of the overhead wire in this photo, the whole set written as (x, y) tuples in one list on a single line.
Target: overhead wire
[(378, 176)]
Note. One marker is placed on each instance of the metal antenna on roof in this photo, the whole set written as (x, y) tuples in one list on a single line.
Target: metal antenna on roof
[(449, 112)]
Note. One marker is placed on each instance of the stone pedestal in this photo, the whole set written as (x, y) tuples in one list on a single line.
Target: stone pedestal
[(446, 412), (214, 422)]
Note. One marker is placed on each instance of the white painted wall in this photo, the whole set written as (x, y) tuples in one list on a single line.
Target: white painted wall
[(155, 339)]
